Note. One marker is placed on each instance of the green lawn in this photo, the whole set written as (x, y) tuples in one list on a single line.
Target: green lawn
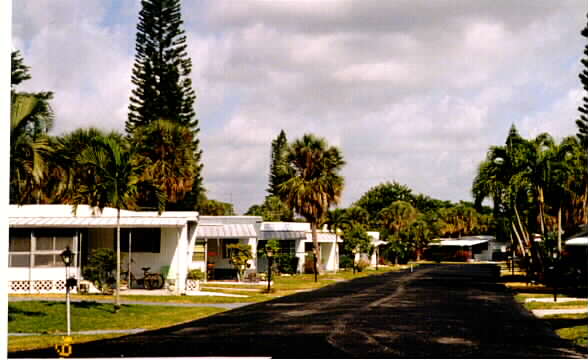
[(557, 305), (572, 327), (47, 318)]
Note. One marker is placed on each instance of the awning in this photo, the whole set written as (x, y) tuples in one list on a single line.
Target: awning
[(458, 242), (283, 235), (226, 231), (579, 241), (324, 237), (95, 222)]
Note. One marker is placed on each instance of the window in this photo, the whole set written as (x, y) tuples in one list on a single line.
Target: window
[(286, 246), (142, 240), (198, 254), (224, 243), (42, 246), (308, 247)]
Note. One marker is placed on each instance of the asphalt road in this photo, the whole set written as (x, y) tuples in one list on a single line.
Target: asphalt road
[(438, 311)]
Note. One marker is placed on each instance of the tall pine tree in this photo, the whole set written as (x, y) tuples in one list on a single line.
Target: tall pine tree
[(163, 91), (163, 88), (582, 122), (278, 169)]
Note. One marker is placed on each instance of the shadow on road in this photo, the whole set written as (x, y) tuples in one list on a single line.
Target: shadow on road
[(439, 311)]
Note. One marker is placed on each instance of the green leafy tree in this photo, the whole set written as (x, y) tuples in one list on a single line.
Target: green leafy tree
[(100, 268), (240, 255), (356, 241), (163, 90), (215, 208), (398, 216), (582, 122), (359, 215), (116, 183), (315, 183), (166, 151), (66, 174), (421, 234), (278, 167), (381, 196), (337, 220), (272, 209)]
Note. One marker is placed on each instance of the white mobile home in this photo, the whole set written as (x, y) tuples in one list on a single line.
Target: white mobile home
[(296, 239), (214, 233), (39, 233)]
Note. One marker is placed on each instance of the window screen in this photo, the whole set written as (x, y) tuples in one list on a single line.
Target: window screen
[(142, 240)]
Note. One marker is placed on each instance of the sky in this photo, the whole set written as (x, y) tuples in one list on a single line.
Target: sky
[(411, 91)]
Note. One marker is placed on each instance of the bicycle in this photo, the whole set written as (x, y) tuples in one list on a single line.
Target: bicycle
[(150, 281)]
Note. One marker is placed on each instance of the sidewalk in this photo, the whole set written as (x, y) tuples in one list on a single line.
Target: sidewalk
[(128, 302), (545, 312)]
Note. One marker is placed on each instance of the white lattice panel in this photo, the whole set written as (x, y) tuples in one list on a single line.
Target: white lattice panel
[(192, 285), (37, 286), (19, 286)]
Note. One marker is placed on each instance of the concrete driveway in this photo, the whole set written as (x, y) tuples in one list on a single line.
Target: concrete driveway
[(438, 311)]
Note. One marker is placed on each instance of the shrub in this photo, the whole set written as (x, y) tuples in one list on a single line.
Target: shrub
[(362, 264), (100, 269), (240, 256), (195, 274), (287, 263), (345, 262)]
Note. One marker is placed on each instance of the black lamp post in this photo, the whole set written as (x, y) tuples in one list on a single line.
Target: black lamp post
[(270, 258), (70, 282)]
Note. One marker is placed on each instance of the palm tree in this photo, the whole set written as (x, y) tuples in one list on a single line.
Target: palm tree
[(398, 216), (337, 220), (116, 184), (30, 119), (315, 184), (167, 151)]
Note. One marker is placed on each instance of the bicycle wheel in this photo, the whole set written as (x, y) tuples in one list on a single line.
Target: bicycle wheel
[(154, 281)]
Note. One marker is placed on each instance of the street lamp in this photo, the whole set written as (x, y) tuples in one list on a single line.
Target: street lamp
[(270, 257), (70, 282)]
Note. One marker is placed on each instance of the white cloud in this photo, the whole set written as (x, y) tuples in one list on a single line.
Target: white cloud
[(413, 91), (559, 119)]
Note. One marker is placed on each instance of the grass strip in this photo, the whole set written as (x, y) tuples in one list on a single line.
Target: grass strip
[(572, 327), (534, 305), (49, 317)]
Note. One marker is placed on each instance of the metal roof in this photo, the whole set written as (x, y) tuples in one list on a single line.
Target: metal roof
[(324, 237), (578, 241), (226, 231), (95, 221), (455, 242), (283, 235)]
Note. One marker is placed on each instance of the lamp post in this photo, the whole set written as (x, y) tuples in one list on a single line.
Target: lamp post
[(270, 257), (67, 258)]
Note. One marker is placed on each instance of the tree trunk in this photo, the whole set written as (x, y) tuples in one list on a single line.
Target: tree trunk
[(559, 230), (117, 290), (316, 250), (524, 234), (541, 209)]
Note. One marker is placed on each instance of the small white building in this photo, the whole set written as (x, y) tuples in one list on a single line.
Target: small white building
[(39, 233), (377, 245), (475, 247), (214, 233), (296, 239)]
